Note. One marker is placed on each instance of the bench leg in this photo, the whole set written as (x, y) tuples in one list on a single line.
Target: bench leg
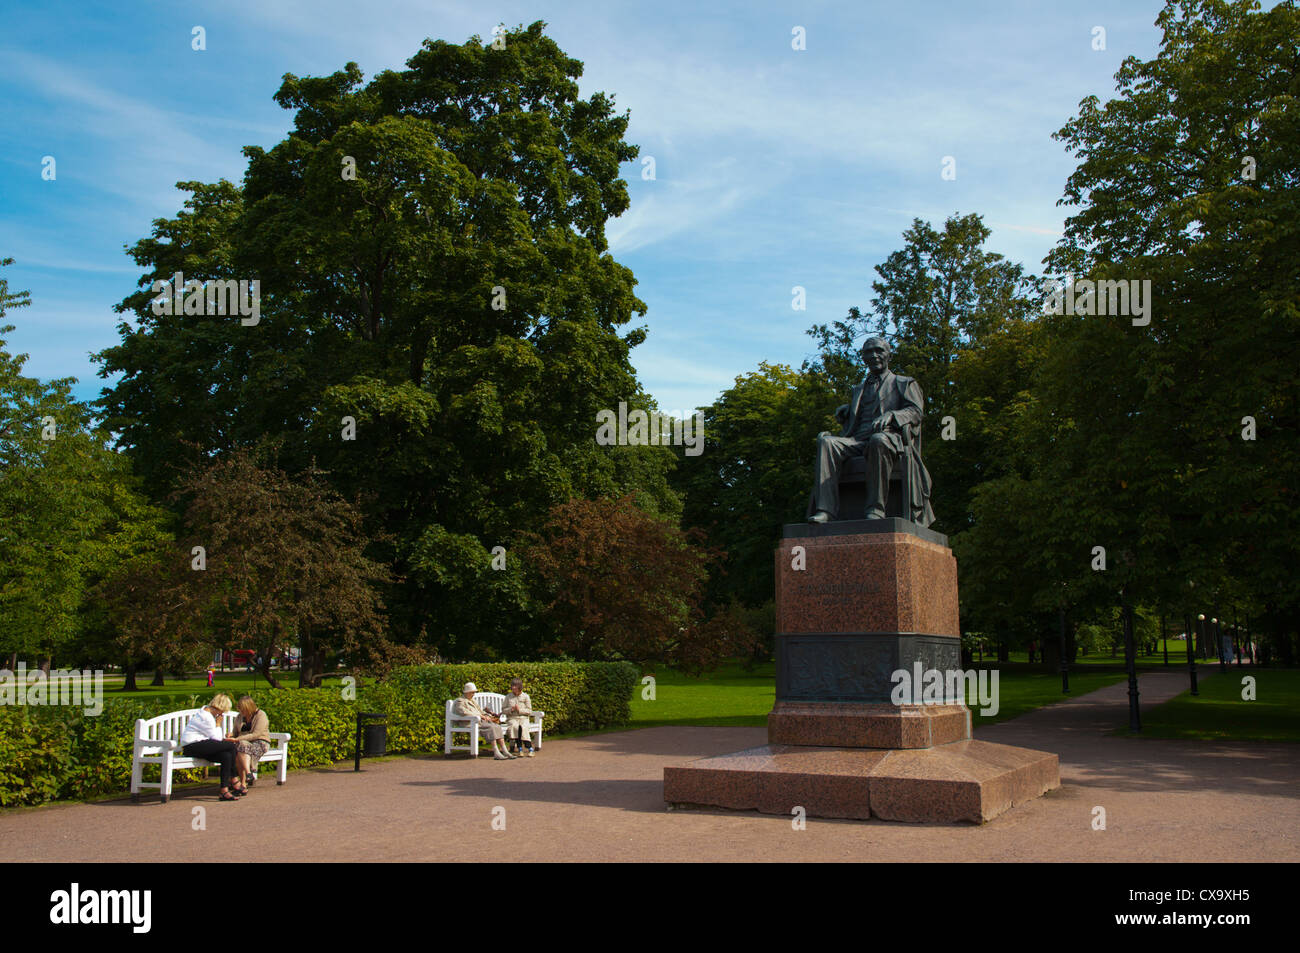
[(166, 789), (284, 767), (137, 775)]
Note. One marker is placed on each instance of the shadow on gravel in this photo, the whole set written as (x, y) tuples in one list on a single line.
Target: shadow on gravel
[(680, 742), (640, 796)]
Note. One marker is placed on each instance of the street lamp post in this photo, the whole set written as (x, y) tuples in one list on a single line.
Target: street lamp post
[(1130, 662), (1065, 659), (1191, 657), (1236, 637), (1218, 645)]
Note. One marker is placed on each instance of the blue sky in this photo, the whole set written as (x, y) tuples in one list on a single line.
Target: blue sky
[(775, 167)]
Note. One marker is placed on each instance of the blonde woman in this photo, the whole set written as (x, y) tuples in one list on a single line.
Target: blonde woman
[(203, 738), (252, 738)]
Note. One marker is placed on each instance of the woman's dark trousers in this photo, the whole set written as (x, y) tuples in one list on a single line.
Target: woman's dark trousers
[(221, 752)]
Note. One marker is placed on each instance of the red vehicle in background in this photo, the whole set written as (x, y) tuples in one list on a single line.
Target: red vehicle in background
[(247, 659), (239, 658)]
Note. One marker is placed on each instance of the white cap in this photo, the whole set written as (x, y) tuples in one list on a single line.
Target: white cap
[(469, 687)]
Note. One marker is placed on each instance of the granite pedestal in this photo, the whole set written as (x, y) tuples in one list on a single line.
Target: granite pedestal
[(856, 601)]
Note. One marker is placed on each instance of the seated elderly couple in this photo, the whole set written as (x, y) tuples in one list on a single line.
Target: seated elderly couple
[(515, 710), (234, 754)]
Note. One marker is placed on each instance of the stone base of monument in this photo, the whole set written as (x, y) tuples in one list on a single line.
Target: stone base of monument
[(961, 781), (858, 725), (856, 603)]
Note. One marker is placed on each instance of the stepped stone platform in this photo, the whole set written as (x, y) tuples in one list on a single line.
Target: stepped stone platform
[(856, 602), (959, 781)]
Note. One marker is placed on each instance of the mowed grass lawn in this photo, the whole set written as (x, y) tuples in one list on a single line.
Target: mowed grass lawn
[(182, 690), (730, 695), (1220, 714)]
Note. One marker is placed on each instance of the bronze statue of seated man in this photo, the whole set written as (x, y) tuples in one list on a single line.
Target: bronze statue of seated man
[(882, 423)]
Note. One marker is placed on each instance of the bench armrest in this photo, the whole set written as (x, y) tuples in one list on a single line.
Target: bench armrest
[(279, 735), (162, 744)]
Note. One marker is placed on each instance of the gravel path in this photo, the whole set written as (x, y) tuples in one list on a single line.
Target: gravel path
[(601, 798)]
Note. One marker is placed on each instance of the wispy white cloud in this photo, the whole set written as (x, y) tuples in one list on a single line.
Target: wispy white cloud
[(1032, 229)]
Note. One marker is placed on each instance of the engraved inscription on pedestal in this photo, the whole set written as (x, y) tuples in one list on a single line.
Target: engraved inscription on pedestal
[(855, 667)]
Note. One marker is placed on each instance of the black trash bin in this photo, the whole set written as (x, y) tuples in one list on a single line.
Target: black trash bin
[(372, 736)]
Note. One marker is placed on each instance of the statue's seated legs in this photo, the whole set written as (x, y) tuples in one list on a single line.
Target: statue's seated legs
[(880, 455), (866, 468), (832, 452)]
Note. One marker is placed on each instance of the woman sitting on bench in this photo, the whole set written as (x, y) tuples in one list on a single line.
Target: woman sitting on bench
[(488, 723), (203, 738), (252, 738)]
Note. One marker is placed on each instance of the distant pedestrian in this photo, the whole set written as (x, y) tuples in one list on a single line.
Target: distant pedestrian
[(211, 676)]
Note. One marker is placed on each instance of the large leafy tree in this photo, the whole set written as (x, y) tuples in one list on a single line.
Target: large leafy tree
[(962, 319), (70, 512), (1187, 178), (263, 561), (433, 267), (754, 473), (623, 584)]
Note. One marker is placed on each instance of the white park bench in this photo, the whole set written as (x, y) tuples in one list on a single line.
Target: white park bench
[(157, 741), (489, 702)]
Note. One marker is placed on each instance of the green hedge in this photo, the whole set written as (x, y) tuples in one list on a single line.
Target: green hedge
[(52, 753), (576, 696)]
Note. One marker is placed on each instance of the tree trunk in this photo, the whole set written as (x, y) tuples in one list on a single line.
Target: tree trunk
[(1050, 656), (311, 661), (1004, 651), (45, 665), (266, 670), (128, 677), (157, 676)]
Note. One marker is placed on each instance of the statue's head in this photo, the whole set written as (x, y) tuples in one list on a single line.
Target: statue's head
[(875, 354)]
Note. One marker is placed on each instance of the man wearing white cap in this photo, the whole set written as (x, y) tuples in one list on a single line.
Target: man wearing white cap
[(488, 723)]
